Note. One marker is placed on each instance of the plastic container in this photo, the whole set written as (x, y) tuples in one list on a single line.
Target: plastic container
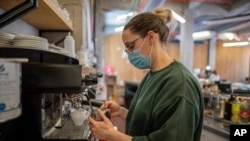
[(69, 45), (10, 88)]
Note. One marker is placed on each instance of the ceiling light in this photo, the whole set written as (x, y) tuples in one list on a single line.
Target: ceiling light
[(121, 17), (236, 44), (228, 36), (124, 16), (227, 20), (178, 17), (202, 35), (131, 13), (118, 29)]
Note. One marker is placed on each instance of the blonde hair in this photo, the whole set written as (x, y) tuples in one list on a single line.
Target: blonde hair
[(158, 21), (166, 15)]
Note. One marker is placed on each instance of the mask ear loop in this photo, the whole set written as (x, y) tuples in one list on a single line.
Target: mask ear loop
[(142, 44), (151, 50), (151, 56)]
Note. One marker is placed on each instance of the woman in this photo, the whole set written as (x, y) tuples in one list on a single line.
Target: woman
[(168, 104)]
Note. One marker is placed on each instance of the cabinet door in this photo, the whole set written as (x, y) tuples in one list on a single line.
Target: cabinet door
[(209, 136)]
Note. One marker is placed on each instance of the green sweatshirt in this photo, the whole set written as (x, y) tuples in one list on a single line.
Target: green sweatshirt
[(167, 106)]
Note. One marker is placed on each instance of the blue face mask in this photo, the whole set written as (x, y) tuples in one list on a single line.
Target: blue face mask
[(138, 61)]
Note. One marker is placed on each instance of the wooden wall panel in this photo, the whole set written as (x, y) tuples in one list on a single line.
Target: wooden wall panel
[(201, 56), (232, 63), (116, 57)]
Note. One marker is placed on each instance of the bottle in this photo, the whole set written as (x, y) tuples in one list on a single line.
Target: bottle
[(228, 107), (235, 118), (69, 44), (244, 110), (216, 106), (222, 107)]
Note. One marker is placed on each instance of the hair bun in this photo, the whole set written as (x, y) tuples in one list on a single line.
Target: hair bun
[(164, 13)]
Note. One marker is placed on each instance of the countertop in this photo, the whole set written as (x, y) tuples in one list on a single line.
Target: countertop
[(217, 126), (214, 125)]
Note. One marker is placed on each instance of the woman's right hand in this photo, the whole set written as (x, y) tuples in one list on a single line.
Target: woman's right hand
[(114, 108)]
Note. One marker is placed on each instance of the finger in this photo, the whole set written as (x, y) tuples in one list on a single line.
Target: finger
[(102, 115), (91, 120), (105, 104)]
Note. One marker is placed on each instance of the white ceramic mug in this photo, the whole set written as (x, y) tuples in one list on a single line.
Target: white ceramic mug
[(78, 116)]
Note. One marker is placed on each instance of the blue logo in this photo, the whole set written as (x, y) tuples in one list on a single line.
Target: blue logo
[(2, 106)]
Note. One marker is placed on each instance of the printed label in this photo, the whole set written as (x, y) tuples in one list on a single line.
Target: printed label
[(10, 106), (244, 114)]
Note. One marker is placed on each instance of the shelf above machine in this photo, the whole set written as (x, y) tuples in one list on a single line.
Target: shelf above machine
[(47, 16)]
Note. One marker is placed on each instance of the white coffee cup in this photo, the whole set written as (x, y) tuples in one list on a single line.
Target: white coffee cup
[(78, 116)]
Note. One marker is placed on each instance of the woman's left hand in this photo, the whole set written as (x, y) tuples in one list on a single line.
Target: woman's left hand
[(101, 129)]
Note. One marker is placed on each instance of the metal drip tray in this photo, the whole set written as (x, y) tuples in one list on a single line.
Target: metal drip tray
[(63, 128), (68, 131)]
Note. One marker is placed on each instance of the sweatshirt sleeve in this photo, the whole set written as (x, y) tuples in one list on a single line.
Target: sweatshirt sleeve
[(174, 122)]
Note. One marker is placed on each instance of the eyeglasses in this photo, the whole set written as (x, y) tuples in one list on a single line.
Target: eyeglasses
[(130, 46)]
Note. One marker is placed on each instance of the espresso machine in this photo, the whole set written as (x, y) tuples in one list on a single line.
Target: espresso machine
[(51, 85)]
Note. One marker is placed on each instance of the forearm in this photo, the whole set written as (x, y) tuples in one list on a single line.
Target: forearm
[(123, 113)]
